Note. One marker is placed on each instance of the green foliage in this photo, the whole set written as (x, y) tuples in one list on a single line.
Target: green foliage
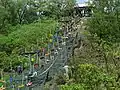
[(3, 21), (104, 28), (105, 20), (28, 35), (61, 80), (3, 60), (57, 8), (72, 87), (27, 24), (92, 76), (13, 12), (33, 36)]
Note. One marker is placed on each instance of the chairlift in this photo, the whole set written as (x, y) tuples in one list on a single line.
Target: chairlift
[(56, 52), (33, 74), (29, 84), (59, 48), (64, 37), (47, 54), (47, 60), (63, 43)]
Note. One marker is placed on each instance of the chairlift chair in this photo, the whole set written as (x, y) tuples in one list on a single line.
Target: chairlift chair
[(29, 84)]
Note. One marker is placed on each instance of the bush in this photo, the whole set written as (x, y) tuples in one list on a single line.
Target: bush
[(72, 87), (60, 80), (93, 77)]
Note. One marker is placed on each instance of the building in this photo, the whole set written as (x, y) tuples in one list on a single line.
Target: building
[(83, 10)]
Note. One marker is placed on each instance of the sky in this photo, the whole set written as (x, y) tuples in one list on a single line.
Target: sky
[(81, 1)]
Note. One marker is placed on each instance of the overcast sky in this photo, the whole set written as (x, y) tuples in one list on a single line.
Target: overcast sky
[(81, 1)]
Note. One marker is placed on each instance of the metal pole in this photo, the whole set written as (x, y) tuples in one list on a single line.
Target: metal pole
[(57, 40), (30, 63), (37, 53), (13, 87)]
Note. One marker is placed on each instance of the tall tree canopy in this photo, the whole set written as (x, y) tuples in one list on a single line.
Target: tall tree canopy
[(105, 22)]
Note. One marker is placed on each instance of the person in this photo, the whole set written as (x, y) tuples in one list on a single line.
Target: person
[(34, 74), (36, 65), (56, 52), (19, 69), (32, 60), (29, 83), (47, 77), (11, 81), (43, 51), (66, 71)]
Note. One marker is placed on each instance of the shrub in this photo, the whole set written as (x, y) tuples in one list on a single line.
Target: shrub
[(72, 87), (93, 77)]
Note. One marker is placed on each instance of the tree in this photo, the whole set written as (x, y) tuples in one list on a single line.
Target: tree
[(104, 22), (104, 28), (30, 37), (57, 8)]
